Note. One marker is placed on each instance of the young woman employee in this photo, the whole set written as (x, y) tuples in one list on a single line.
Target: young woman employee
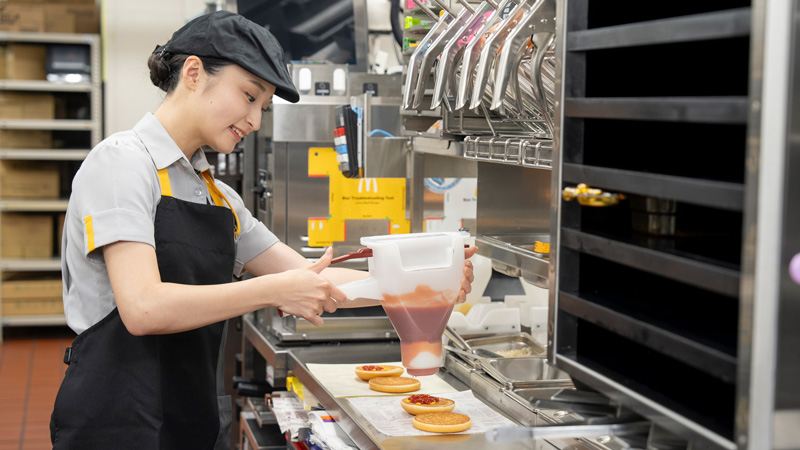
[(152, 242)]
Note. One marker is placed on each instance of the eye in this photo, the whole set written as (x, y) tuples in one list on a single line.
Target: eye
[(250, 98)]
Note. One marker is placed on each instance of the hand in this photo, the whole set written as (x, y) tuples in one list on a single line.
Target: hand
[(308, 293), (469, 277)]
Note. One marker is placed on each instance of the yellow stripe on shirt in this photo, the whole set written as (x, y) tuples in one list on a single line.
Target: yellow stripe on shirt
[(163, 178), (89, 233)]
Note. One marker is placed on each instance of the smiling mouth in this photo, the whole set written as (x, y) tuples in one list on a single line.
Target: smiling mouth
[(237, 132)]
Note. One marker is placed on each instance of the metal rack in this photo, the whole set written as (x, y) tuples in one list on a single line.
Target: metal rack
[(490, 98), (94, 130), (677, 309), (523, 151), (516, 97)]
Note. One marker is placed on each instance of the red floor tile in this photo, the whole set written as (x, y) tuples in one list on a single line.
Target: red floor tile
[(31, 370)]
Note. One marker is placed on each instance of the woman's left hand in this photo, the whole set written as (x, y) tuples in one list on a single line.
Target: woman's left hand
[(469, 277)]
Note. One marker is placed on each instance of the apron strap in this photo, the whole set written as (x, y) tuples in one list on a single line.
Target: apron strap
[(218, 197)]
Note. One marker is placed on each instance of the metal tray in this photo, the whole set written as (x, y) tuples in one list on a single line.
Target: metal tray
[(509, 342), (526, 372), (513, 255)]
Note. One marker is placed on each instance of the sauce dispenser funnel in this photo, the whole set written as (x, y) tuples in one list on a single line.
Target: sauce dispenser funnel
[(417, 277)]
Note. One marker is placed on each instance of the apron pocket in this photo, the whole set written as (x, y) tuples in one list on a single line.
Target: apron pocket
[(225, 416)]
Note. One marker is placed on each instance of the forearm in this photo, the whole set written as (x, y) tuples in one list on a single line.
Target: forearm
[(281, 257), (164, 308), (149, 306)]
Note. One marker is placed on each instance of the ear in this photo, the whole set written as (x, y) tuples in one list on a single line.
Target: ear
[(192, 72)]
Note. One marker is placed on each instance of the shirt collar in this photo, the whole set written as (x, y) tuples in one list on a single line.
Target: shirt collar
[(162, 148)]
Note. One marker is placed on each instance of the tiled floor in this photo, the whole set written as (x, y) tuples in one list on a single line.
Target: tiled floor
[(31, 370)]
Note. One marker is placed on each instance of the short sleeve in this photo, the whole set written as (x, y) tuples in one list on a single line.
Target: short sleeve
[(255, 237), (115, 193)]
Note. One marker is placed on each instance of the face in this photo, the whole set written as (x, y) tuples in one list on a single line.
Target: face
[(233, 100)]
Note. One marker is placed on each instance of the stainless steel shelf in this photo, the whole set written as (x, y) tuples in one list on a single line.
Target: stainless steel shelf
[(57, 124), (640, 401), (33, 205), (726, 110), (423, 113), (261, 411), (258, 438), (716, 194), (42, 320), (30, 265), (437, 146), (697, 27), (513, 255), (44, 86), (691, 352), (43, 154), (697, 273)]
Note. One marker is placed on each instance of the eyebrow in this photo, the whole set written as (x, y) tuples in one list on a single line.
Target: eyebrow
[(258, 84)]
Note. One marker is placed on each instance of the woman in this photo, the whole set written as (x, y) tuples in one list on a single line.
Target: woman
[(151, 243)]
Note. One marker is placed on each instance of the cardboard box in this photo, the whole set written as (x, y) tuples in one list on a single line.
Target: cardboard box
[(40, 2), (60, 231), (31, 295), (21, 17), (26, 139), (31, 287), (16, 105), (22, 62), (33, 306), (29, 179), (71, 18), (26, 236)]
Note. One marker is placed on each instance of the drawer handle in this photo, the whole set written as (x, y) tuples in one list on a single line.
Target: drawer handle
[(587, 196)]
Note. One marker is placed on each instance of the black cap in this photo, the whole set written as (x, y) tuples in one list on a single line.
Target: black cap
[(229, 36)]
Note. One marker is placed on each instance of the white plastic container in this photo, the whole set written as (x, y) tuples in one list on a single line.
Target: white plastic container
[(417, 277)]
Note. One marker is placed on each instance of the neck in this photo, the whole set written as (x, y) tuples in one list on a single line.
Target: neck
[(178, 126)]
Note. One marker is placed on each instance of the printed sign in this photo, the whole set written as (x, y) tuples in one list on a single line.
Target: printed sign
[(353, 198)]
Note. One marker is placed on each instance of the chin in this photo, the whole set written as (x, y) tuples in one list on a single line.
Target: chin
[(223, 147)]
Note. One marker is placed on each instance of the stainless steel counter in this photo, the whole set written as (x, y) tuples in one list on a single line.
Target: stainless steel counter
[(294, 358)]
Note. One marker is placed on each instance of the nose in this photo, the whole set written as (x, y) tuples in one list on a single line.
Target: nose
[(254, 119)]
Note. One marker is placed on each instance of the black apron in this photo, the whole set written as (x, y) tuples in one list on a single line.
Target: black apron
[(155, 392)]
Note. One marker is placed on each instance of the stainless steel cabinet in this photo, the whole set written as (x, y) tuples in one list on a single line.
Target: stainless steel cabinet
[(666, 301)]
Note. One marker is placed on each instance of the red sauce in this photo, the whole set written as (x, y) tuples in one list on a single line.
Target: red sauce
[(423, 399), (372, 368), (419, 318), (420, 315)]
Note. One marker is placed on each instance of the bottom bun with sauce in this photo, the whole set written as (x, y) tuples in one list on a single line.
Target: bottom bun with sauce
[(442, 422), (369, 372), (423, 403)]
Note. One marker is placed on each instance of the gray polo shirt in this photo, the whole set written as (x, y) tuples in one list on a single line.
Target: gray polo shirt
[(114, 198)]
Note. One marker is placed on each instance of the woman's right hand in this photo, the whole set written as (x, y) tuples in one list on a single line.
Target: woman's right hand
[(308, 294)]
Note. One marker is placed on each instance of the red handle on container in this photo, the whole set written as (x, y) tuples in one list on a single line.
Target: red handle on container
[(360, 253)]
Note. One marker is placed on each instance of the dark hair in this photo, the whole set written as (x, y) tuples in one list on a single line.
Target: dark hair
[(165, 68)]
